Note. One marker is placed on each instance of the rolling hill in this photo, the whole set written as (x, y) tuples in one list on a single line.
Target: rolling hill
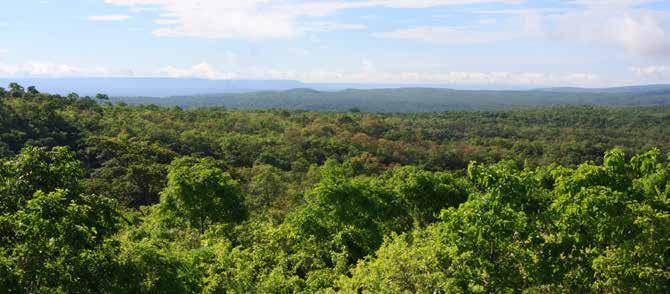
[(405, 99)]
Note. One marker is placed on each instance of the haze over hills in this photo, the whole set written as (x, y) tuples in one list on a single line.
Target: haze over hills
[(166, 87), (406, 99), (156, 87), (661, 88), (288, 94)]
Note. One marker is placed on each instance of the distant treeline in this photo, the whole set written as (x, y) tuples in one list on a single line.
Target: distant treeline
[(411, 99)]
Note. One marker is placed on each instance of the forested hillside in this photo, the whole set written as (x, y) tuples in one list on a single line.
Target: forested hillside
[(116, 198), (417, 99)]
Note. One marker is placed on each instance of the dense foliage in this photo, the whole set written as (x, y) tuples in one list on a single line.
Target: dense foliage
[(96, 197)]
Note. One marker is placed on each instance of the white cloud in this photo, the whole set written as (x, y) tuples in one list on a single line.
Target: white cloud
[(55, 70), (300, 52), (525, 25), (487, 21), (443, 35), (517, 11), (639, 32), (48, 69), (261, 19), (3, 51), (453, 77), (332, 26), (203, 70), (653, 72), (367, 73), (109, 17), (612, 3), (431, 3), (621, 24), (609, 22)]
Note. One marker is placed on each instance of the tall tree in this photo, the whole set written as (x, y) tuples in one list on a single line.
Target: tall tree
[(201, 194)]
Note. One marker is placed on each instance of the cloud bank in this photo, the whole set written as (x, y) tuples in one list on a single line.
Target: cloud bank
[(262, 19), (614, 23)]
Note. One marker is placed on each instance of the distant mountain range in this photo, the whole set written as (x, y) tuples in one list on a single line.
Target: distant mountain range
[(287, 94), (165, 87), (157, 87), (629, 89), (407, 99)]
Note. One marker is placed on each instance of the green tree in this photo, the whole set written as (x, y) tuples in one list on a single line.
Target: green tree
[(610, 232), (422, 194), (52, 238), (132, 171), (266, 187), (412, 263), (32, 91), (16, 90), (201, 193), (37, 169), (346, 213), (103, 97), (482, 246)]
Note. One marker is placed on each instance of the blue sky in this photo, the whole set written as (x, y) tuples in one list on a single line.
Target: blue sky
[(459, 42)]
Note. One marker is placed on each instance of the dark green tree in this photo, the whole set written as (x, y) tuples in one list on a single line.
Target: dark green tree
[(422, 194), (103, 97), (16, 90), (32, 91)]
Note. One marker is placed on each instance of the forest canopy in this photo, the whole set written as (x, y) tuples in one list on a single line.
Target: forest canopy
[(115, 198)]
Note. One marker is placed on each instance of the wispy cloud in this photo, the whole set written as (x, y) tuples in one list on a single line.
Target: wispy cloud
[(639, 32), (612, 3), (444, 35), (618, 23), (631, 30), (487, 21), (366, 73), (49, 69), (527, 25), (652, 72), (202, 70), (109, 17), (332, 26), (369, 73), (262, 19), (455, 77)]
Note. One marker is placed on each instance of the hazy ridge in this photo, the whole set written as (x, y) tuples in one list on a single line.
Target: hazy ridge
[(410, 99)]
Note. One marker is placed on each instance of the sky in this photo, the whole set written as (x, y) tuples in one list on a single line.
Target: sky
[(588, 43)]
